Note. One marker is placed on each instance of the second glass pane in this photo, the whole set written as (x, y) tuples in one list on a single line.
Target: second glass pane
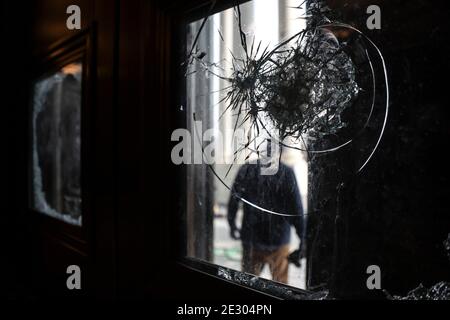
[(56, 143)]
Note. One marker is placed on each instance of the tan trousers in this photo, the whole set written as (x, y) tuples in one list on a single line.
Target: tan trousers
[(253, 262)]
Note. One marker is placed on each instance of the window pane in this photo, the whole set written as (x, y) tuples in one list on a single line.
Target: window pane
[(226, 183), (56, 141)]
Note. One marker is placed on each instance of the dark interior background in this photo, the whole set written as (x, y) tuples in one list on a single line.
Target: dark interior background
[(395, 214)]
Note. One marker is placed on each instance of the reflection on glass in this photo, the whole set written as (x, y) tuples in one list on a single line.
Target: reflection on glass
[(56, 141), (225, 223)]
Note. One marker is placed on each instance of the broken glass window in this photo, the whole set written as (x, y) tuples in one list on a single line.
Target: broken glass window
[(271, 85), (56, 142)]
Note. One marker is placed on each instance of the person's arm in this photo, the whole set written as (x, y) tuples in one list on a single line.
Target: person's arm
[(297, 208), (233, 206), (298, 221)]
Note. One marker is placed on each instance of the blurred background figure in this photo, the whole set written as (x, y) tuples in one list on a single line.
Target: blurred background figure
[(266, 236)]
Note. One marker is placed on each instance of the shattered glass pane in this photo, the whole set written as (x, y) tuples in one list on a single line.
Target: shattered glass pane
[(56, 142), (212, 206), (272, 87)]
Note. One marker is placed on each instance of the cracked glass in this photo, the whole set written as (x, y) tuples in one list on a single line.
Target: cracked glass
[(56, 143), (277, 94)]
